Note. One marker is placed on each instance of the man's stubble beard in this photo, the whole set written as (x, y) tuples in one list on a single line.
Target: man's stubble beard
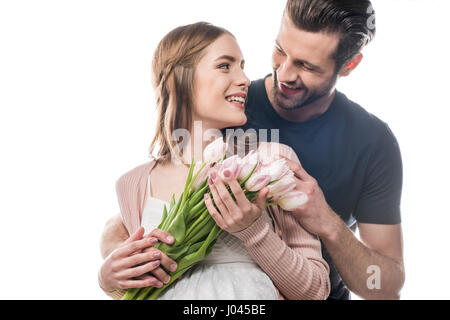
[(309, 96)]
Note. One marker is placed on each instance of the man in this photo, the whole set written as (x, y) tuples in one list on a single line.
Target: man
[(351, 166)]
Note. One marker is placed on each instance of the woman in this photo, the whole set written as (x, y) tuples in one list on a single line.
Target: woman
[(198, 76)]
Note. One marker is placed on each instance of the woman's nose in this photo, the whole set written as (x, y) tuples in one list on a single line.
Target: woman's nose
[(243, 80)]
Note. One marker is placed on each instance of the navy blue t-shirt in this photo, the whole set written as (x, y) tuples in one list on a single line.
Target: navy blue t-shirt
[(352, 154)]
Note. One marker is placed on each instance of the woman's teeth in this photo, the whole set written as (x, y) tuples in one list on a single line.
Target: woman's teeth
[(236, 99)]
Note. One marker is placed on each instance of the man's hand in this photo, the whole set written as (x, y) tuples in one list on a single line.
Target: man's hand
[(315, 215), (381, 245)]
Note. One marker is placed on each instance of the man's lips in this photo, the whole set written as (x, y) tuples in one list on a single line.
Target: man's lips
[(289, 91)]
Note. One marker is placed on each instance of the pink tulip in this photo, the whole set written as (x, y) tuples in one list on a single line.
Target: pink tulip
[(282, 186), (248, 163), (201, 176), (214, 151), (232, 165), (293, 200), (276, 170), (257, 181)]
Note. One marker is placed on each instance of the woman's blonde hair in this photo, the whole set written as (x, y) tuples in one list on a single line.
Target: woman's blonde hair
[(173, 71)]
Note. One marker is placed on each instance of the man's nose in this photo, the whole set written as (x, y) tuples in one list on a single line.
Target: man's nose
[(286, 72)]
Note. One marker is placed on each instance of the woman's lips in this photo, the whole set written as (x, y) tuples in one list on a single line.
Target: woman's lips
[(289, 91), (237, 104)]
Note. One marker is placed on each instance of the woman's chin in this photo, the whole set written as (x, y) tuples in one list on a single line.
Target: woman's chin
[(236, 121)]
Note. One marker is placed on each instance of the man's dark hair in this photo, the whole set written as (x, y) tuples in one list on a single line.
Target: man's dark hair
[(354, 20)]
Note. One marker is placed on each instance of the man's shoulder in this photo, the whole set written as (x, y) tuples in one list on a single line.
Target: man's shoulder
[(257, 90), (361, 121)]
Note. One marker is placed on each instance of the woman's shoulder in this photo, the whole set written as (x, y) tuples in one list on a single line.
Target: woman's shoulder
[(130, 189), (135, 174), (275, 149)]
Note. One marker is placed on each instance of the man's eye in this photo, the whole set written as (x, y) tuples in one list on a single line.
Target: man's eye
[(224, 66)]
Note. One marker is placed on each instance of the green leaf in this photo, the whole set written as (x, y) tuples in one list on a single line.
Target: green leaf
[(164, 217), (242, 182)]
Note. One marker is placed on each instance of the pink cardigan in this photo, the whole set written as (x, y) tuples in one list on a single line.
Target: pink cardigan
[(290, 256)]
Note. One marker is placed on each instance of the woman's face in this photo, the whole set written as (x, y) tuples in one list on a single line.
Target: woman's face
[(220, 85)]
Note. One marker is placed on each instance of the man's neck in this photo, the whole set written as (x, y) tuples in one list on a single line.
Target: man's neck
[(304, 113)]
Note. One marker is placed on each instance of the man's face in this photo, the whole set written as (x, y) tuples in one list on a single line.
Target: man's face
[(303, 64)]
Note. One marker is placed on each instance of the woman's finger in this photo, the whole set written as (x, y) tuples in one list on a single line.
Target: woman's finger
[(238, 193), (137, 235), (160, 274), (135, 246), (216, 199), (168, 263), (213, 212), (147, 282), (162, 236), (139, 270), (260, 201), (155, 282), (140, 258), (225, 195)]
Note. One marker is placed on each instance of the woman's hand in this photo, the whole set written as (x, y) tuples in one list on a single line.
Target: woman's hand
[(233, 216), (128, 266)]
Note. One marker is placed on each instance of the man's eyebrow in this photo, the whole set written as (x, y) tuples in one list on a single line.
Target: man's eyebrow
[(229, 58), (301, 62)]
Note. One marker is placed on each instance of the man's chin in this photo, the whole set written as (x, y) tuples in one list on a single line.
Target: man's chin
[(286, 104)]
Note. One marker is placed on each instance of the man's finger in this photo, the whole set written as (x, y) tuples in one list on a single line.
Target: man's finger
[(298, 169)]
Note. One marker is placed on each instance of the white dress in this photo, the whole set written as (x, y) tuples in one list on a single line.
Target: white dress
[(228, 272)]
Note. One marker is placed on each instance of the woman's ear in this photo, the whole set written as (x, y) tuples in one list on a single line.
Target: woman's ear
[(351, 65)]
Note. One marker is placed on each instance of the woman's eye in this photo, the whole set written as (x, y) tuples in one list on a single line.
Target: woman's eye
[(224, 66)]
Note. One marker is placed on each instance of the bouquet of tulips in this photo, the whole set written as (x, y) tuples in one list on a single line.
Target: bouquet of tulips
[(188, 219)]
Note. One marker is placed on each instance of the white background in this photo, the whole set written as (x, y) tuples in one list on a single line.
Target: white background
[(77, 111)]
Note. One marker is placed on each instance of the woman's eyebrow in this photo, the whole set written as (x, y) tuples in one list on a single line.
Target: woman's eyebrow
[(227, 57), (230, 58)]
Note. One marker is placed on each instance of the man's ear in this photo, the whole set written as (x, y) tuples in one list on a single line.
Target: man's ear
[(351, 65)]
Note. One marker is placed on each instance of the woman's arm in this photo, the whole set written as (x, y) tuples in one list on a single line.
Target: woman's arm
[(295, 264)]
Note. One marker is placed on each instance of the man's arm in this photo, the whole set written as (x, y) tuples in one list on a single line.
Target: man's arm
[(114, 234), (380, 249), (373, 268)]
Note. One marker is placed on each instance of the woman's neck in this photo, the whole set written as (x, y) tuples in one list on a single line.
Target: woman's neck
[(199, 137)]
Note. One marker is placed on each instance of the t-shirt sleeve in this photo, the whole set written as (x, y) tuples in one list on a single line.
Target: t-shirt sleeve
[(379, 202)]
